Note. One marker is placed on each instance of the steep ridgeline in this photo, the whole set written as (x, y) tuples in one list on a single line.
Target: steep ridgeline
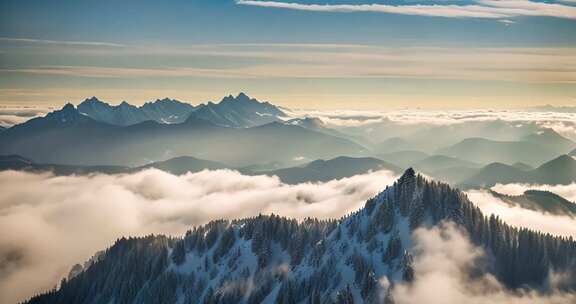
[(269, 259)]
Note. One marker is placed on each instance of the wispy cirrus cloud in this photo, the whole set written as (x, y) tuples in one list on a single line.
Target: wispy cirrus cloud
[(528, 65), (60, 42), (495, 9)]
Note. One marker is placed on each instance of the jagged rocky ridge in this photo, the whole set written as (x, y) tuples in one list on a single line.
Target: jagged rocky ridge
[(271, 259), (162, 110), (238, 112)]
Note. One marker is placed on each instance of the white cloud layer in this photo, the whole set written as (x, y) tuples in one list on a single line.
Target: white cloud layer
[(566, 191), (47, 223), (562, 122), (495, 9)]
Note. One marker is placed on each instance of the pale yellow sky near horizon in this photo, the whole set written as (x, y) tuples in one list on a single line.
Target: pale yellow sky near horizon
[(298, 101), (322, 76)]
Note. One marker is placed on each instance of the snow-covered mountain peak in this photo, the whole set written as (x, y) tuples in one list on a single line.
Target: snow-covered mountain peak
[(92, 99), (238, 112), (124, 114), (66, 115)]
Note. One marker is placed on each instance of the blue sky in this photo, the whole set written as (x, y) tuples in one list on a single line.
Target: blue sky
[(345, 53)]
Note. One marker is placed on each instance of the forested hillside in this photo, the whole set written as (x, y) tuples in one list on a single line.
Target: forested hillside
[(272, 259)]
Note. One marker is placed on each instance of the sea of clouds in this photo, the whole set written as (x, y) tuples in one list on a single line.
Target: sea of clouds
[(49, 223), (562, 122)]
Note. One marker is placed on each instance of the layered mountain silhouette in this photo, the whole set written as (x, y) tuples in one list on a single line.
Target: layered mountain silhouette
[(316, 124), (183, 164), (19, 163), (177, 165), (429, 138), (315, 171), (544, 201), (532, 150), (439, 162), (522, 166), (445, 168), (271, 259), (560, 170), (395, 144), (241, 131), (67, 136), (404, 158), (325, 170), (551, 139), (551, 108)]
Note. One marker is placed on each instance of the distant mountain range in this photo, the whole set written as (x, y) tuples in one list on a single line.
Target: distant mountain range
[(177, 165), (543, 201), (532, 149), (125, 114), (404, 158), (446, 168), (315, 171), (246, 134), (316, 124), (522, 166), (561, 170), (558, 170), (551, 108), (16, 162), (237, 112), (441, 162), (271, 259), (395, 144), (325, 170), (392, 136), (184, 164), (67, 136)]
